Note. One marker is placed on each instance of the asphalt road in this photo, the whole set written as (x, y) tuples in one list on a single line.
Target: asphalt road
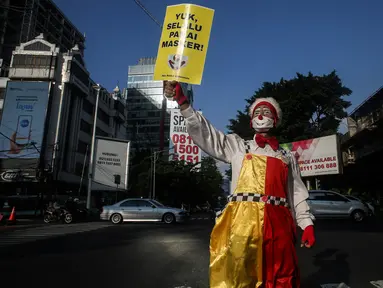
[(161, 256)]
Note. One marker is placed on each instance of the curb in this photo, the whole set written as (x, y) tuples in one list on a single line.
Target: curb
[(201, 218)]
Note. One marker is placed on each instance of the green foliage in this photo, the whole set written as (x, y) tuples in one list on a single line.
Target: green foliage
[(313, 106), (178, 182)]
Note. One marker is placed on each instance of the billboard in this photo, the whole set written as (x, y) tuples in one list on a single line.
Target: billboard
[(318, 156), (22, 127), (181, 144), (111, 162)]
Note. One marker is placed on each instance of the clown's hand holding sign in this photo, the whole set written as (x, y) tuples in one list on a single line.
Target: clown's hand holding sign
[(252, 243)]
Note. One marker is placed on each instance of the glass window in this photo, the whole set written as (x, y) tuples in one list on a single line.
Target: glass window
[(82, 147), (87, 107), (129, 203), (318, 196), (144, 203), (157, 203), (100, 132), (85, 127), (335, 197)]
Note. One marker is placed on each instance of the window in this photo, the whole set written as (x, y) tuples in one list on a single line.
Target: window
[(317, 196), (30, 61), (144, 203), (87, 107), (78, 169), (85, 127), (157, 203), (129, 203), (100, 132), (82, 147), (335, 197), (103, 116), (79, 73)]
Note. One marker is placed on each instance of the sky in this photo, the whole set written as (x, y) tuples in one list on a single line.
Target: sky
[(252, 41)]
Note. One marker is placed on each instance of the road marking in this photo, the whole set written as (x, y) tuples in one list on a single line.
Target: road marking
[(44, 232), (333, 285), (377, 283)]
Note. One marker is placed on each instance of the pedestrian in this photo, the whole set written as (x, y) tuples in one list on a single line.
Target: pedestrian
[(252, 242)]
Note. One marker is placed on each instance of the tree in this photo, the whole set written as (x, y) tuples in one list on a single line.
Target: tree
[(179, 182), (313, 106)]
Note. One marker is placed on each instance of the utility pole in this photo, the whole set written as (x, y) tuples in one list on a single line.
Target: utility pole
[(83, 170), (91, 157)]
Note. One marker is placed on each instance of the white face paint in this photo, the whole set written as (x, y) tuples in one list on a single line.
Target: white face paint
[(263, 119)]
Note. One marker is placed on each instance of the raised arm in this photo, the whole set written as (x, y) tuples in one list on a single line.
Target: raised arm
[(212, 141), (302, 210), (208, 138)]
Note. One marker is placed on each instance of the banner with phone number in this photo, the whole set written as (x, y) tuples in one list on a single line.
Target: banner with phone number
[(182, 147), (318, 156)]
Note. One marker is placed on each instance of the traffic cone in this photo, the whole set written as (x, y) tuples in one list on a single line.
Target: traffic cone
[(12, 217)]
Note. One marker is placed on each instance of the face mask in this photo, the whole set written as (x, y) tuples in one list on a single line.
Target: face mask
[(262, 123)]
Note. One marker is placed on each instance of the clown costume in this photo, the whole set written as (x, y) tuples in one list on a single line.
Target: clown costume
[(253, 241)]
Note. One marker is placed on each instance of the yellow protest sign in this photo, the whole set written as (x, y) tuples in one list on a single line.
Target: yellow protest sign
[(184, 42)]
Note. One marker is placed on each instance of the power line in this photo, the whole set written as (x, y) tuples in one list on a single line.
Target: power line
[(148, 13)]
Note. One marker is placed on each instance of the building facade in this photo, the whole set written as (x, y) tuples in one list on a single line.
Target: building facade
[(362, 145), (65, 148), (23, 20), (145, 104)]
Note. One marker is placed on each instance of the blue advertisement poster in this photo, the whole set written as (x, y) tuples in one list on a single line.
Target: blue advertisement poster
[(22, 123)]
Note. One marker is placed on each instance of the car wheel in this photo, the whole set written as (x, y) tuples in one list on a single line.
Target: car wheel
[(116, 218), (68, 218), (47, 218), (358, 215), (169, 218)]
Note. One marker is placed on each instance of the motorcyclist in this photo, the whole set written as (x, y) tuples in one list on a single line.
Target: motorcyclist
[(56, 209)]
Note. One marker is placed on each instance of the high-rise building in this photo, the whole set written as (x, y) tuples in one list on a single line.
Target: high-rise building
[(23, 20), (144, 98), (63, 144)]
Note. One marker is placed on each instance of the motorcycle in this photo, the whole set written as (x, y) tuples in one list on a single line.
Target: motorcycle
[(53, 215)]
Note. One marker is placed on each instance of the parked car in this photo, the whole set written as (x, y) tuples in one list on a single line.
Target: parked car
[(329, 204), (133, 210), (371, 209)]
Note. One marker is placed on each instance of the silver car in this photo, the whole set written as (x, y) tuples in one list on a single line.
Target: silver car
[(329, 204), (371, 209), (133, 210)]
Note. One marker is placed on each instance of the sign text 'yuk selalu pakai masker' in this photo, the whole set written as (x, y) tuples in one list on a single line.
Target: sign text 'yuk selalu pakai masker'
[(184, 42)]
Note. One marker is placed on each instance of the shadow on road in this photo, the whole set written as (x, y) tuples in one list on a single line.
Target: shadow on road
[(333, 268), (113, 236), (370, 225), (128, 255)]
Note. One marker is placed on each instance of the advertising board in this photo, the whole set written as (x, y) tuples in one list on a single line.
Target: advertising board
[(22, 128), (111, 162), (182, 147), (318, 156)]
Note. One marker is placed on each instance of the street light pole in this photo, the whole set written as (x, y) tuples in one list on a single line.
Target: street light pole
[(90, 167), (154, 159)]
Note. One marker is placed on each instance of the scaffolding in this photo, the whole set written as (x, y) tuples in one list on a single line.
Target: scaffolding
[(27, 27)]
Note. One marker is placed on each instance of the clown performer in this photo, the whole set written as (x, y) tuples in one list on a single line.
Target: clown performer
[(253, 241)]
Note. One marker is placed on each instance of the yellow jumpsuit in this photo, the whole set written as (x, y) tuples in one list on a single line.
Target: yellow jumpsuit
[(252, 243)]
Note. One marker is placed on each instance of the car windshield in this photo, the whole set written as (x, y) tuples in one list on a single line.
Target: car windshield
[(352, 198), (157, 203)]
